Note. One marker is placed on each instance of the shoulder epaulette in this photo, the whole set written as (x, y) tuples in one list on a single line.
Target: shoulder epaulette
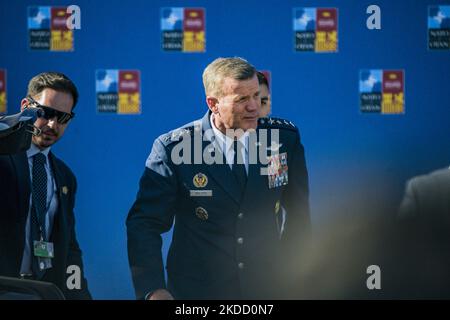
[(278, 123), (176, 135)]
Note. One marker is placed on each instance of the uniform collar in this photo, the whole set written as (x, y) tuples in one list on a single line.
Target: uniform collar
[(226, 142)]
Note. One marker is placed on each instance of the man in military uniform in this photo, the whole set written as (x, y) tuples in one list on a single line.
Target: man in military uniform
[(226, 239)]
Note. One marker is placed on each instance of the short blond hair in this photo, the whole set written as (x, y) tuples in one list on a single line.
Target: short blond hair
[(221, 68)]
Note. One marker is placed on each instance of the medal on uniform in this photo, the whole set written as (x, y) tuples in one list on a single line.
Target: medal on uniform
[(277, 170), (200, 180)]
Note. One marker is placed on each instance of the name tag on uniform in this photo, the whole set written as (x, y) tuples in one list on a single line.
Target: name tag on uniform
[(43, 249), (200, 193), (277, 170)]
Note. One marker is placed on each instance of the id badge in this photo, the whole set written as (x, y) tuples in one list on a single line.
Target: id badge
[(43, 249), (44, 263)]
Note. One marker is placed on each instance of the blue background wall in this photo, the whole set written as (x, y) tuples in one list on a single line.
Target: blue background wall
[(355, 161)]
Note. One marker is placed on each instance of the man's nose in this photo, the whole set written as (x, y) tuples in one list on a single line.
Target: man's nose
[(254, 104)]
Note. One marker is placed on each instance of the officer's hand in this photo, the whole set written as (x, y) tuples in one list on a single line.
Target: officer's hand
[(160, 294)]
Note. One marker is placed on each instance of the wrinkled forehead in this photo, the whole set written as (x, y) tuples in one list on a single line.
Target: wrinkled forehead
[(240, 87)]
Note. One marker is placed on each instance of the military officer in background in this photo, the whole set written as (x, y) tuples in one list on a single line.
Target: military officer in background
[(226, 240), (264, 93)]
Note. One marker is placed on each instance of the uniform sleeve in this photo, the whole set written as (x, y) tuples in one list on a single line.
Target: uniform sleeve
[(297, 232), (150, 216)]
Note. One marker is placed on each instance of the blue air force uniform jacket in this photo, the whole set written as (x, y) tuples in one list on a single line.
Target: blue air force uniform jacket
[(226, 244)]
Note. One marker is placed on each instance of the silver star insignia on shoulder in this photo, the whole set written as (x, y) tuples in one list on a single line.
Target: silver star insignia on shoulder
[(179, 133)]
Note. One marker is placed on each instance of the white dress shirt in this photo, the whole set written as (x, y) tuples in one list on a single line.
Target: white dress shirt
[(226, 143), (52, 205)]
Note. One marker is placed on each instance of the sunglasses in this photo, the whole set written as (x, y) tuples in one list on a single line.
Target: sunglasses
[(50, 113)]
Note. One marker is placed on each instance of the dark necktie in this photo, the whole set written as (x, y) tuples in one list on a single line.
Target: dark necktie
[(39, 207), (39, 191), (238, 167)]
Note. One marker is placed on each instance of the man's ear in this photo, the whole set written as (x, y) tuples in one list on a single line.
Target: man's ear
[(23, 104), (213, 104)]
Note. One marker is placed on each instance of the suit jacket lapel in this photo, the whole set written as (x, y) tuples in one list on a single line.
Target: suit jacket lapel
[(60, 221), (20, 161), (221, 173)]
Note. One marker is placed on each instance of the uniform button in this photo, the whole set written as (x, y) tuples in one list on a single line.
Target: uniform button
[(240, 240), (241, 265), (240, 215)]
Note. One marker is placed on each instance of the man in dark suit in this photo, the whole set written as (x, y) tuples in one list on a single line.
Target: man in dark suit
[(37, 196), (424, 237), (223, 179)]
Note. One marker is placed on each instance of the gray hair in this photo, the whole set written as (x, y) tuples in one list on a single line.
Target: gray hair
[(221, 68)]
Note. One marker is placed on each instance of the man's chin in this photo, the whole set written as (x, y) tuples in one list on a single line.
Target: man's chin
[(43, 143), (250, 124)]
